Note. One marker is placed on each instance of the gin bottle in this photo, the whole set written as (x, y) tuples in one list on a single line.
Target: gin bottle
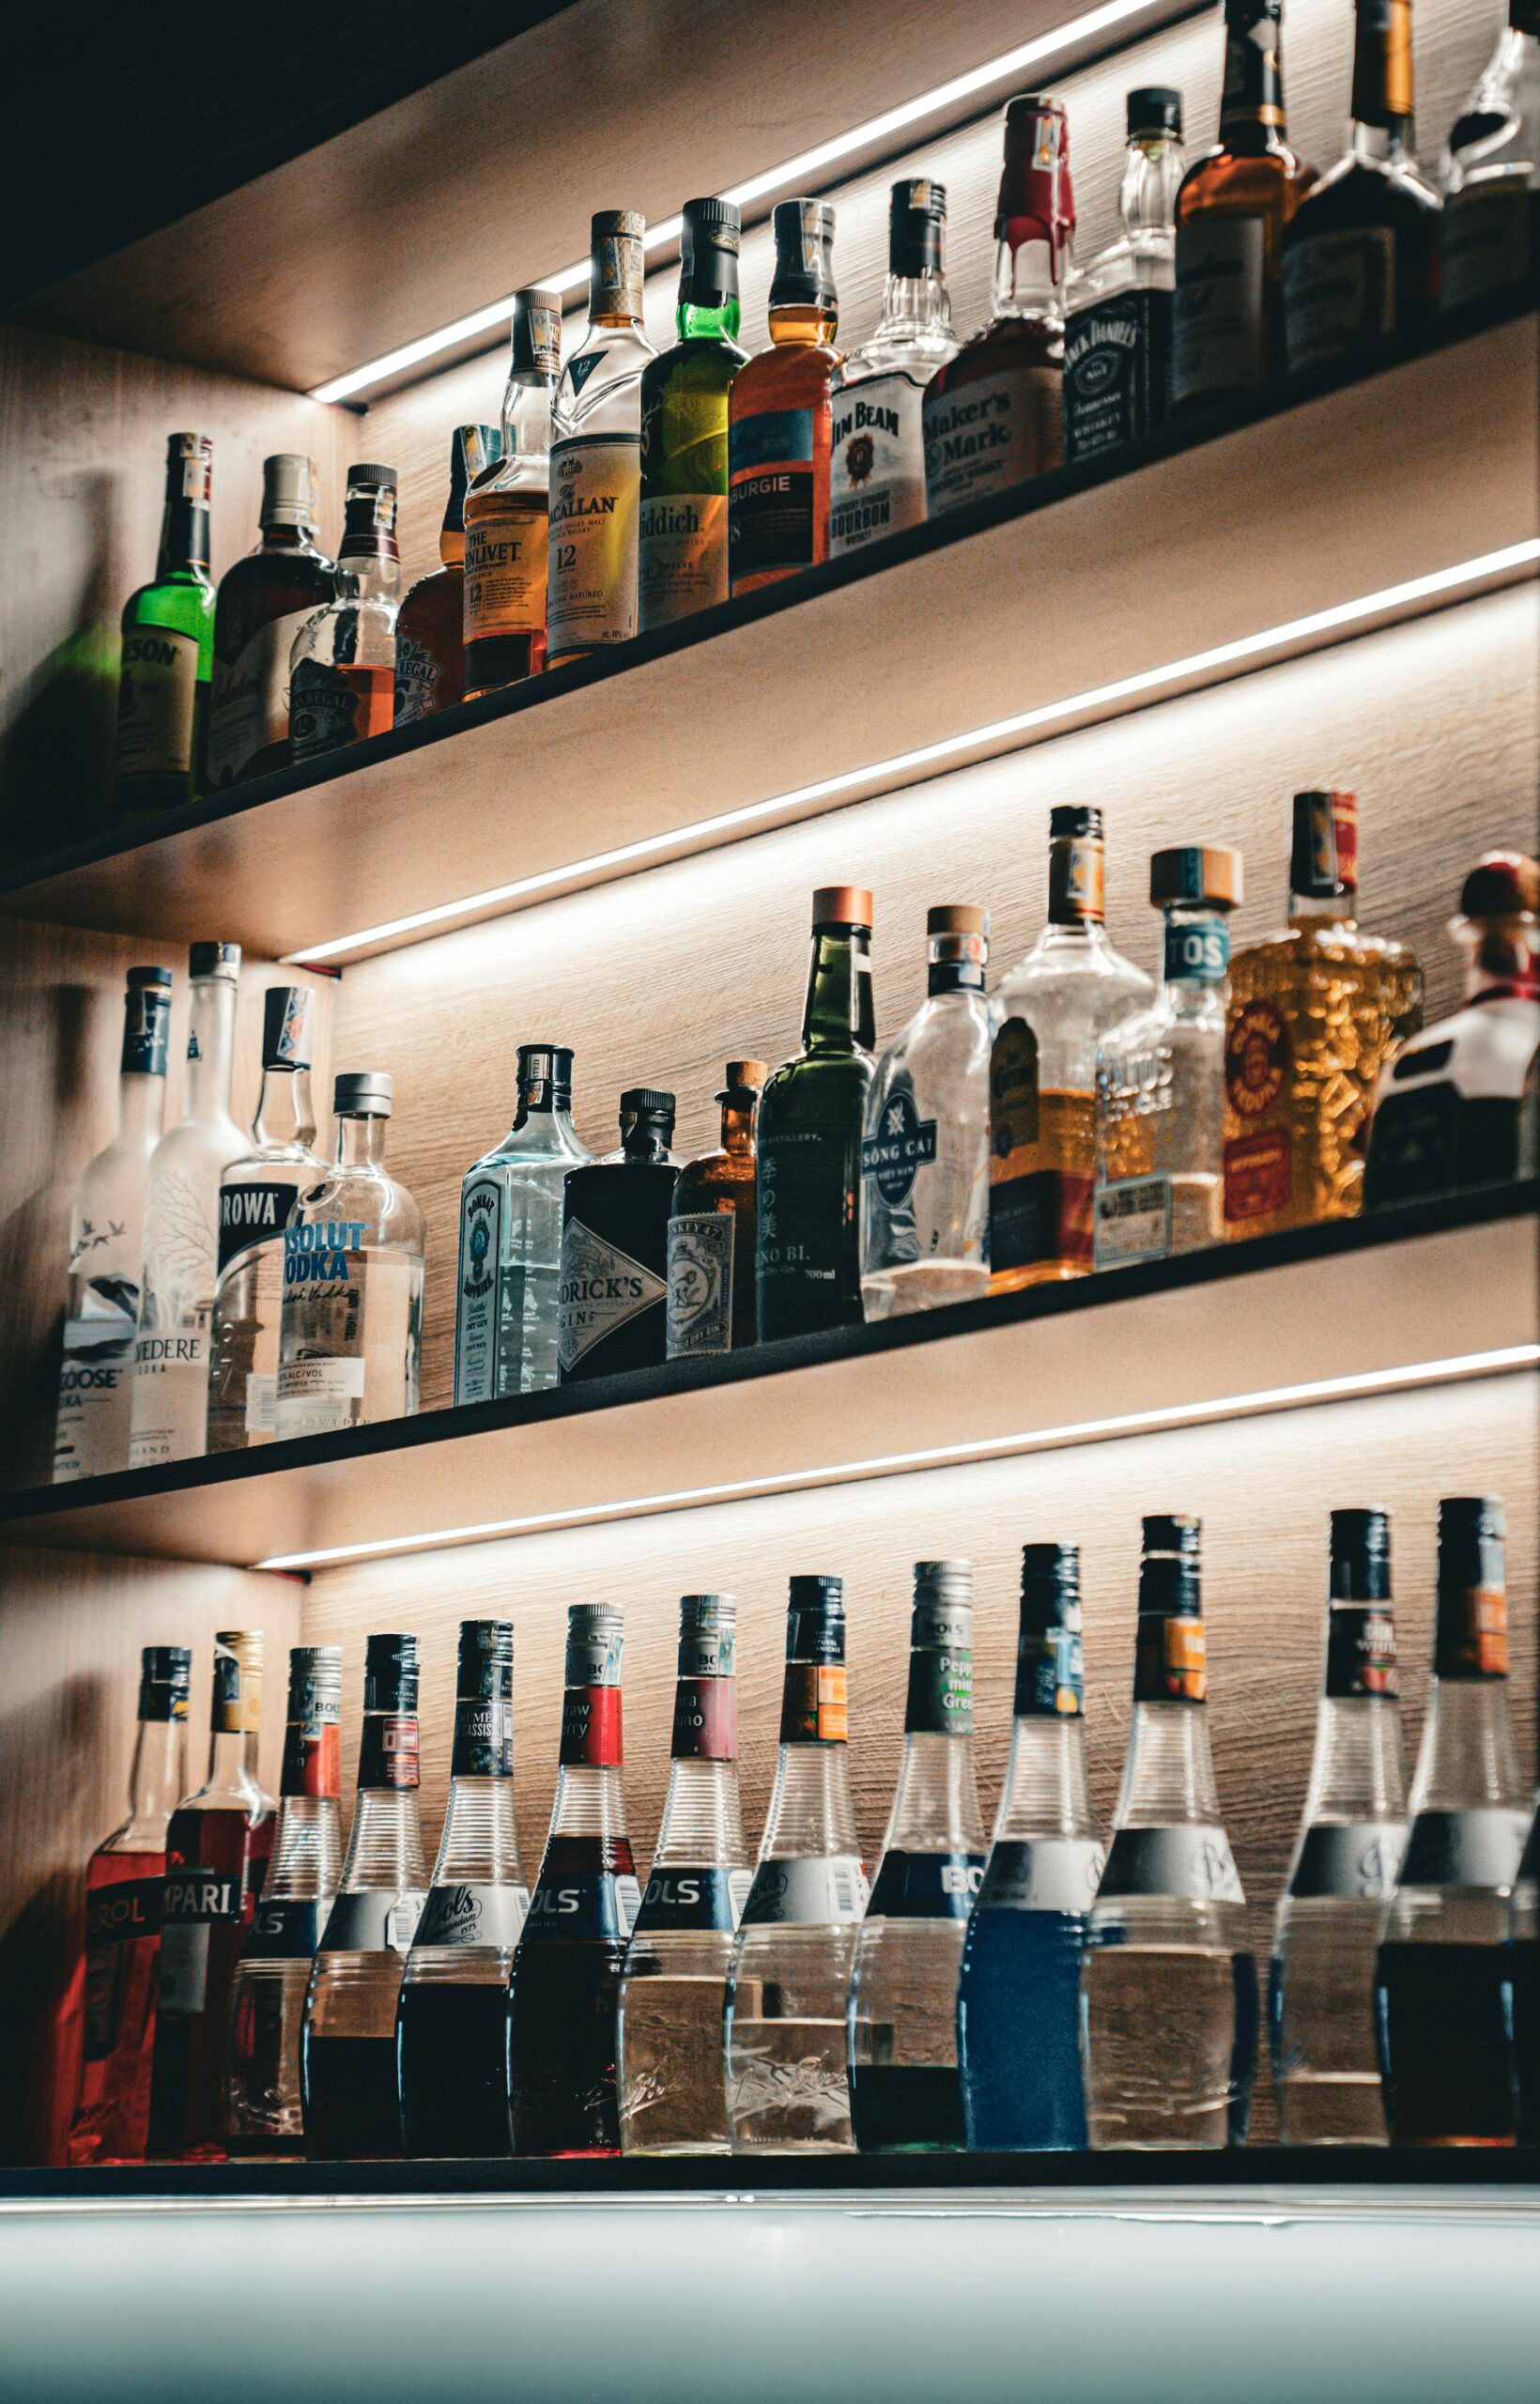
[(877, 456), (712, 1220), (672, 2087), (904, 2092), (1117, 337), (1491, 169), (611, 1298), (595, 475), (342, 668), (506, 1322)]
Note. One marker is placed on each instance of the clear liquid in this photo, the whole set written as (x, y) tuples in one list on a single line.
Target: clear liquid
[(265, 2109), (351, 1345), (528, 1326), (788, 2088), (1321, 2007), (922, 1285), (1169, 2025), (673, 2087)]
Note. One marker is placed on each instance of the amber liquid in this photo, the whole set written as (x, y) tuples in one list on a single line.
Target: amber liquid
[(431, 621), (792, 374), (1051, 1184), (111, 2009), (504, 620)]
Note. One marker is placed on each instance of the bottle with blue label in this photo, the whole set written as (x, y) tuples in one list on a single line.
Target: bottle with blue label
[(506, 1306), (904, 2092), (779, 419), (1018, 1996)]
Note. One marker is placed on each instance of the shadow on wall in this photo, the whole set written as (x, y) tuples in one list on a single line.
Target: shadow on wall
[(57, 745), (41, 1928), (35, 1230)]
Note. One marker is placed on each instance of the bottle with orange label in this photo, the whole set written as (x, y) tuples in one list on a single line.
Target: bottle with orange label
[(507, 511), (780, 422)]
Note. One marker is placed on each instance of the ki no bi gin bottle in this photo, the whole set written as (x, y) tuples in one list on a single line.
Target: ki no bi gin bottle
[(507, 1316)]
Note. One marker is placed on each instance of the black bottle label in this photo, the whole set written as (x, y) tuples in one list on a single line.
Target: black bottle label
[(1117, 372), (582, 1905), (287, 1928), (602, 1290), (809, 1229), (926, 1886), (770, 494), (1360, 1650), (1479, 1847), (1339, 295), (712, 1897), (377, 1919)]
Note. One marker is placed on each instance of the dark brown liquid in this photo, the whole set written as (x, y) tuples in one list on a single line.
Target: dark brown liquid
[(453, 2053), (562, 2053), (1443, 2044), (350, 2100)]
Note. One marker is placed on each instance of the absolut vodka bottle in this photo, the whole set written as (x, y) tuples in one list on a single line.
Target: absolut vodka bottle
[(505, 1326)]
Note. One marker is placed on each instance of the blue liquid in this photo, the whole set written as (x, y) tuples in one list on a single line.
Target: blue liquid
[(1018, 2031)]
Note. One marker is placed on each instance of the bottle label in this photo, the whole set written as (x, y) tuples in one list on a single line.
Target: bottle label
[(483, 1736), (98, 1348), (287, 1928), (476, 1328), (377, 1919), (1117, 372), (346, 1312), (253, 1214), (417, 673), (1360, 1650), (876, 462), (586, 1906), (939, 1700), (506, 559), (828, 1891), (705, 1721), (1050, 1674), (1486, 240), (1041, 1150), (1196, 952), (1193, 1862), (770, 494), (1258, 1080), (808, 1219), (1472, 1639), (591, 1727), (1339, 295), (813, 1707), (388, 1749), (600, 1289), (926, 1886), (701, 1245), (115, 1917), (330, 707), (1357, 1860), (195, 1901), (157, 689), (679, 1900), (237, 1697), (1480, 1847), (1132, 1221), (249, 710), (1218, 324), (683, 562), (996, 431), (313, 1751), (904, 1145), (1042, 1874), (1170, 1660), (595, 493), (482, 1915)]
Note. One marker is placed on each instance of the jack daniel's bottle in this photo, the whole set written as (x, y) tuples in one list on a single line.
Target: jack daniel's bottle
[(1117, 340)]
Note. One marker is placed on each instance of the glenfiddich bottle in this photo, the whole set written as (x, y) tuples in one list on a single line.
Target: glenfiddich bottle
[(168, 648), (507, 511), (610, 1298), (780, 426), (264, 600), (1117, 340), (684, 563), (712, 1305), (595, 483), (877, 460), (430, 629)]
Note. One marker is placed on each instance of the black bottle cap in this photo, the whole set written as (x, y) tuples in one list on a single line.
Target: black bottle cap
[(547, 1064), (1070, 818), (1169, 1580), (1323, 861), (1154, 108), (484, 1665), (804, 274), (1049, 1586), (165, 1674), (708, 254), (369, 472), (214, 959), (286, 1013), (1471, 1528), (648, 1101), (534, 334), (152, 976), (391, 1673), (1243, 14), (815, 1619), (917, 227), (1360, 1557)]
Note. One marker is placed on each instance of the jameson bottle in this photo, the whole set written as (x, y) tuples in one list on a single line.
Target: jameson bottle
[(684, 427), (1018, 1996), (877, 459), (610, 1301), (506, 1318), (595, 474), (780, 427), (168, 648), (811, 1120), (672, 2095), (451, 2043), (264, 600), (904, 2093), (430, 629), (712, 1304)]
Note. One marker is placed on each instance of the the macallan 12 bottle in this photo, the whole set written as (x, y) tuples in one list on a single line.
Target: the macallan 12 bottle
[(168, 648), (877, 461), (430, 628), (780, 426), (712, 1305), (507, 511), (264, 600), (595, 481), (685, 391)]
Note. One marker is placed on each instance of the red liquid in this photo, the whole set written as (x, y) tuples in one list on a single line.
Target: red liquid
[(205, 1932), (112, 1999)]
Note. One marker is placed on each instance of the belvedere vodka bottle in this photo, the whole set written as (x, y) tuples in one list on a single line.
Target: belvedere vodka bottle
[(506, 1312)]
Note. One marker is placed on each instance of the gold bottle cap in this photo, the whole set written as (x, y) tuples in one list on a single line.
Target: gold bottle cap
[(742, 1075), (238, 1681), (1196, 873), (957, 918), (842, 905)]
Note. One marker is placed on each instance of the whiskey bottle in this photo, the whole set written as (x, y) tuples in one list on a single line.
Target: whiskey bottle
[(994, 415), (1117, 336), (507, 511), (596, 478), (168, 649), (1051, 1014), (712, 1305), (342, 668), (430, 628), (683, 561), (613, 1284), (877, 454), (1315, 1014), (264, 600), (1491, 170), (507, 1316), (780, 427)]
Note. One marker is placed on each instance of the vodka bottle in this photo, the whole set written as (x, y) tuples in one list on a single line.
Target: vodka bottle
[(107, 1249), (170, 1409), (877, 453), (506, 1311), (1349, 1850), (904, 2093), (268, 2000), (1491, 169), (451, 2026), (347, 2056), (672, 2088), (1169, 1995), (595, 474), (257, 1196), (785, 2020), (1018, 1996)]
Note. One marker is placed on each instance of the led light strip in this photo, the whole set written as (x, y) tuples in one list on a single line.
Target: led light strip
[(1457, 1369)]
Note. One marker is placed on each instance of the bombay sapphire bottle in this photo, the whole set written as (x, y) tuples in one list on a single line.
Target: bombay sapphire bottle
[(505, 1329)]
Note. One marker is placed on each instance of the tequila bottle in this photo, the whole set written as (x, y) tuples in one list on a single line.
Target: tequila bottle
[(712, 1304), (684, 556), (506, 1321), (507, 511), (430, 628), (877, 453), (596, 478), (168, 648), (1117, 337), (342, 668), (1491, 170), (780, 426), (612, 1297)]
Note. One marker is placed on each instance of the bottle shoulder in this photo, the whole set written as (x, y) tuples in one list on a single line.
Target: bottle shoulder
[(949, 1034), (1001, 344), (1065, 968), (198, 1145), (369, 1197), (1362, 194), (357, 629), (1144, 264), (783, 375), (257, 1165), (916, 356), (797, 1088), (1227, 182), (607, 398), (704, 363), (182, 603), (554, 1156)]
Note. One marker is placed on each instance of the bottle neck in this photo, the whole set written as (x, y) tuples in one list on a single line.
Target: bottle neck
[(646, 1141), (385, 1849), (369, 561), (140, 1107), (1196, 958), (738, 1129), (1251, 112), (210, 1049), (811, 1814), (286, 1117), (1383, 127), (1077, 883), (288, 533), (914, 306), (838, 1015), (1169, 1778), (480, 1840), (157, 1779), (1047, 1789), (306, 1848), (702, 1817), (232, 1765), (1318, 910), (1153, 173), (1357, 1771), (361, 1143), (1031, 270), (184, 533), (794, 323), (1468, 1756), (590, 1801), (695, 321), (526, 418), (1502, 958), (935, 1803)]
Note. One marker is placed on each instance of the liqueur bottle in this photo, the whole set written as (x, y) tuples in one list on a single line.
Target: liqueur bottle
[(562, 2027), (451, 2025), (682, 559), (1050, 1016), (1440, 1978), (217, 1851), (1018, 1995), (995, 414), (351, 2109), (168, 649), (257, 1198), (785, 2022), (113, 1993), (264, 600), (350, 1331), (169, 1410), (1524, 1988), (1168, 2024), (877, 449), (264, 2111), (430, 629), (1117, 336), (507, 511), (1491, 170), (904, 2092), (1315, 1014), (672, 2093), (780, 426), (107, 1249), (925, 1153), (712, 1304), (596, 478), (342, 668), (610, 1299), (811, 1120), (506, 1319), (1351, 1839)]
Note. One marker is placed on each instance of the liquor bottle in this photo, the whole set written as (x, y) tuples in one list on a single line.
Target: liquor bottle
[(712, 1305), (595, 475), (430, 626), (562, 2026), (672, 2094), (112, 1998), (1361, 252), (785, 2020), (1443, 1964), (217, 1851), (780, 427), (505, 1328), (1018, 1993), (1524, 1988), (451, 2024), (610, 1298), (1227, 330), (904, 2092), (1315, 1014), (1491, 170), (995, 414), (348, 2052), (1321, 1994), (507, 509), (1117, 335), (1456, 1106), (925, 1153), (1168, 2018), (1160, 1075), (168, 649), (1051, 1014), (264, 2110), (107, 1249), (264, 600), (257, 1198), (350, 1330), (169, 1409), (684, 427), (812, 1116), (342, 668), (877, 448)]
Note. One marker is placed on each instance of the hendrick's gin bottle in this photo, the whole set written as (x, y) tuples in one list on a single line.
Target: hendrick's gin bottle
[(612, 1293)]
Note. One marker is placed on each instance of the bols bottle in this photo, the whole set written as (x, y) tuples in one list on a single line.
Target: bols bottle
[(611, 1298), (506, 1322)]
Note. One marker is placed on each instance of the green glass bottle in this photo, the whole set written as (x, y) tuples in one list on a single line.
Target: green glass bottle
[(168, 648), (684, 427), (810, 1134)]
